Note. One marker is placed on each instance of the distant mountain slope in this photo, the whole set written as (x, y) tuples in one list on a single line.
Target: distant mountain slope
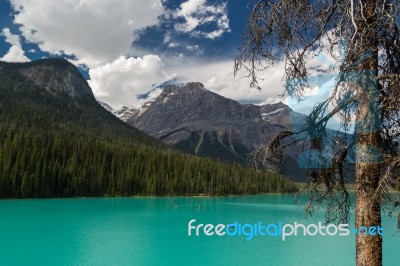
[(56, 76), (56, 140), (123, 113), (198, 121)]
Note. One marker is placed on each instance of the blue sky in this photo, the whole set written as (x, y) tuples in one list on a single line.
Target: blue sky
[(127, 48)]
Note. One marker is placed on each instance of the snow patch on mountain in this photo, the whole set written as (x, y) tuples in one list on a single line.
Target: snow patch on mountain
[(123, 113)]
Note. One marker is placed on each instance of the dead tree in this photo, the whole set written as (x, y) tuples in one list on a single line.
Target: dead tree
[(367, 84)]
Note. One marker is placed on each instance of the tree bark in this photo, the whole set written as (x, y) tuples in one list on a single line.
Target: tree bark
[(368, 198), (368, 211)]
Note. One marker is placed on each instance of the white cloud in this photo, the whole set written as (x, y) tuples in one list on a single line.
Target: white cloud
[(197, 13), (312, 90), (15, 53), (10, 38), (237, 88), (195, 49), (173, 45), (100, 32), (219, 78), (95, 31), (118, 83), (167, 38)]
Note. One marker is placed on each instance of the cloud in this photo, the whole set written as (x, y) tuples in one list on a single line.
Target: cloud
[(95, 31), (219, 77), (202, 19), (118, 83), (10, 38), (237, 88), (173, 45), (100, 33), (195, 49), (15, 53)]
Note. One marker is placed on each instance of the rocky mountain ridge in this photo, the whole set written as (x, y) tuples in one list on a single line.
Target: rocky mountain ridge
[(198, 121), (57, 76)]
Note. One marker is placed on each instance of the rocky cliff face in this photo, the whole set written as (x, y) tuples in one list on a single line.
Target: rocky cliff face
[(201, 122), (57, 76), (177, 105)]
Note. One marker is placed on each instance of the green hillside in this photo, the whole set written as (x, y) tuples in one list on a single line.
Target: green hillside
[(56, 145)]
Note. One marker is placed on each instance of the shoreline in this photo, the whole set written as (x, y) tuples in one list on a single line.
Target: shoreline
[(151, 196)]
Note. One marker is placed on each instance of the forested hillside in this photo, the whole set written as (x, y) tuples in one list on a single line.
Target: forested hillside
[(57, 141)]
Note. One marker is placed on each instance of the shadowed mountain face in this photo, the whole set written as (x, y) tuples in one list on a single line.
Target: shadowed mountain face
[(56, 76), (201, 122)]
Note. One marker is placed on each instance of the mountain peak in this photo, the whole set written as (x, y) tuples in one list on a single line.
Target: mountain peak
[(190, 86), (195, 85), (56, 75)]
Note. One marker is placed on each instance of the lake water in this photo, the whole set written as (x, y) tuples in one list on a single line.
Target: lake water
[(154, 231)]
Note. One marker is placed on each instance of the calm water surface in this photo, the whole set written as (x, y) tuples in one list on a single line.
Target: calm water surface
[(153, 231)]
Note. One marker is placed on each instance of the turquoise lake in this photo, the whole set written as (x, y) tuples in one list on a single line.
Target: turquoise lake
[(154, 231)]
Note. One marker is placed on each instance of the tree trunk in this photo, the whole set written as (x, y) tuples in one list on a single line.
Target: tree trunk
[(368, 208), (368, 198)]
